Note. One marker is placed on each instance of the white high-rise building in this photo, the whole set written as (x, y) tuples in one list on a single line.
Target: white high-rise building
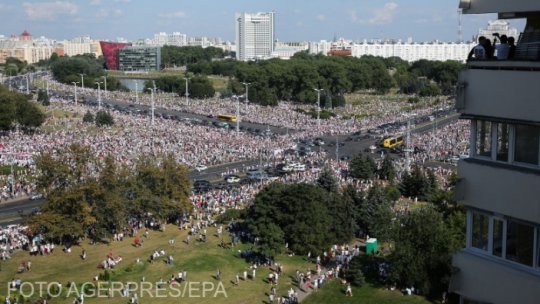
[(254, 35)]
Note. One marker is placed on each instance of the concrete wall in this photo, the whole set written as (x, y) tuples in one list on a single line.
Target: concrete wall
[(506, 191), (487, 280), (499, 6), (500, 93)]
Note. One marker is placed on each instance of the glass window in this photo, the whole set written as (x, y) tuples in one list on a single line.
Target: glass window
[(483, 138), (502, 141), (520, 243), (480, 223), (526, 144), (497, 237)]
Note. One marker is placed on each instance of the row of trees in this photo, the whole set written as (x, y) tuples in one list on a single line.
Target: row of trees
[(199, 86), (14, 66), (295, 79), (91, 197), (16, 109), (69, 69), (174, 56)]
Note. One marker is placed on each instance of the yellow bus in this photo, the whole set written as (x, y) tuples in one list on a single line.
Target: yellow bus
[(392, 142), (231, 118)]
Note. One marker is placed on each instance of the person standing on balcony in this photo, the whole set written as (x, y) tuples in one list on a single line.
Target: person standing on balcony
[(478, 52), (503, 49)]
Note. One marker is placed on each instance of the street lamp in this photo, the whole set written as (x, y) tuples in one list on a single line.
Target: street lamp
[(237, 113), (136, 91), (99, 94), (75, 89), (187, 90), (27, 85), (247, 84), (82, 81), (152, 96), (318, 108), (47, 87), (105, 80)]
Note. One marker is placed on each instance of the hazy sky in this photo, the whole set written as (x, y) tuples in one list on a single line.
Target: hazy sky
[(296, 20)]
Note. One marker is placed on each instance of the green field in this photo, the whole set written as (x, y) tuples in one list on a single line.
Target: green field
[(334, 292), (200, 260)]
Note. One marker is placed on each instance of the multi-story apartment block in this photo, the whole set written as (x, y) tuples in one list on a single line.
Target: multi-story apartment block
[(500, 181)]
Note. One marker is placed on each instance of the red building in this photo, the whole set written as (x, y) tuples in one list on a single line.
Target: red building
[(110, 52), (25, 36), (340, 52)]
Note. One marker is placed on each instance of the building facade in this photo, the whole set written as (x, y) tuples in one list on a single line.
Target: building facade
[(110, 51), (254, 36), (408, 51), (499, 181), (139, 58), (25, 48), (501, 27)]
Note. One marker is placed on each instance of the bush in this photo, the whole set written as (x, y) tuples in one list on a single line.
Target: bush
[(104, 119), (88, 117), (354, 274)]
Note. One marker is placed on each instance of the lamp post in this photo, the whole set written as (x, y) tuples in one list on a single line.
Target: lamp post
[(27, 85), (152, 96), (47, 87), (247, 84), (136, 92), (99, 95), (75, 89), (318, 108), (187, 90), (82, 81), (237, 113), (105, 80)]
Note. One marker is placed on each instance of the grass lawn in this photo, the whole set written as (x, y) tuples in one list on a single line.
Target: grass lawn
[(334, 292), (200, 260)]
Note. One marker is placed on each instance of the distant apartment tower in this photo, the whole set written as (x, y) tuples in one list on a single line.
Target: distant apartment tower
[(254, 36), (139, 58), (176, 39), (499, 183)]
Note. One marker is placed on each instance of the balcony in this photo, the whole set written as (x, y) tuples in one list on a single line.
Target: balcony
[(507, 8), (501, 89), (500, 188), (489, 280)]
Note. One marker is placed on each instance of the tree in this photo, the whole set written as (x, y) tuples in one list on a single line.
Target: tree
[(16, 108), (362, 166), (387, 172), (300, 210), (376, 214), (81, 203), (88, 117), (416, 184), (328, 181), (43, 97), (104, 118), (354, 273), (423, 251)]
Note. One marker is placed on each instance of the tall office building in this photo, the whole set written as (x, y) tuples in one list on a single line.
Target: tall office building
[(500, 181), (254, 36), (139, 58)]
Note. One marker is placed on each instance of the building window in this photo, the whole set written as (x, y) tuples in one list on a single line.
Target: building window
[(498, 228), (480, 226), (502, 141), (526, 144), (483, 138), (520, 243)]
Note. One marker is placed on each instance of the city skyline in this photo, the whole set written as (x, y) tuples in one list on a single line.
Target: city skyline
[(422, 20)]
